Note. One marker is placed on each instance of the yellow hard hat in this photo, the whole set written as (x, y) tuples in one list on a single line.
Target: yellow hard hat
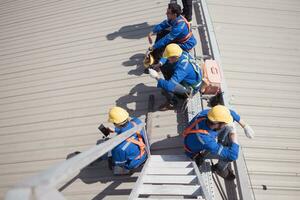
[(117, 115), (220, 113), (148, 60), (172, 50)]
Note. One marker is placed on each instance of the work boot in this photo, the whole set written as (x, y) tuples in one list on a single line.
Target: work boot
[(227, 173), (199, 159), (166, 106)]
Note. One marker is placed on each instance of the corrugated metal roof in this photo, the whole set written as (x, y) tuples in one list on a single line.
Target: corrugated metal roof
[(63, 64), (259, 45)]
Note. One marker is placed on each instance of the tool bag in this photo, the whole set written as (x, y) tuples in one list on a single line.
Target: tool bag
[(211, 82)]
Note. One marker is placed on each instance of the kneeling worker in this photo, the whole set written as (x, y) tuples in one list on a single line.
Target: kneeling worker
[(181, 72), (131, 153), (211, 134)]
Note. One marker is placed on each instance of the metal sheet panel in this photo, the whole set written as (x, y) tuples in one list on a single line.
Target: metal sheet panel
[(259, 45)]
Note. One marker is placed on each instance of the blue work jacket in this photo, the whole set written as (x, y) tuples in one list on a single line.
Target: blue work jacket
[(186, 72), (195, 143), (179, 30), (125, 154)]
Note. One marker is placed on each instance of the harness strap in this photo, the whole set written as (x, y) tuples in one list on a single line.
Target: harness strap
[(140, 143), (189, 35), (189, 130)]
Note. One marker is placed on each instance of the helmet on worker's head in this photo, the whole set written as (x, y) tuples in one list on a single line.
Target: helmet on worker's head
[(220, 113), (117, 115), (148, 60), (172, 50)]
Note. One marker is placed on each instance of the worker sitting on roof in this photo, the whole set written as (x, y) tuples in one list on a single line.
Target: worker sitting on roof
[(176, 29), (211, 134), (131, 153), (182, 75)]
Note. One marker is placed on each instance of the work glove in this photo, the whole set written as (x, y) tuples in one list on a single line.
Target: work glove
[(153, 73), (249, 131)]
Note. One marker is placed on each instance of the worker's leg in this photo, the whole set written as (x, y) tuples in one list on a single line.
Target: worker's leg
[(157, 53), (167, 70), (223, 138), (187, 9)]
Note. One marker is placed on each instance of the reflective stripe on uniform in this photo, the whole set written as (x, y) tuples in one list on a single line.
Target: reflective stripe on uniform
[(172, 80), (220, 149), (196, 68), (200, 139), (120, 162), (125, 146)]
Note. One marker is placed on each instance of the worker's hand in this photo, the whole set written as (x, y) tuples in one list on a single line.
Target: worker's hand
[(233, 138), (249, 131), (150, 38), (153, 74)]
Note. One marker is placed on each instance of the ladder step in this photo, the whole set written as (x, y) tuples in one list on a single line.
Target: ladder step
[(184, 190), (170, 158), (170, 164), (159, 179), (160, 198), (171, 171)]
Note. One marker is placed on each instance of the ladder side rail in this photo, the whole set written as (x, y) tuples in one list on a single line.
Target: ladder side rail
[(201, 182), (44, 184), (240, 165)]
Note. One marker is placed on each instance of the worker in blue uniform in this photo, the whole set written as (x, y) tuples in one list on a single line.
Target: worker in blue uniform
[(184, 76), (131, 153), (211, 134), (175, 29)]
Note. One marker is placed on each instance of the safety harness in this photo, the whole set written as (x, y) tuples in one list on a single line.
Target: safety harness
[(197, 70), (140, 143), (190, 130), (189, 35)]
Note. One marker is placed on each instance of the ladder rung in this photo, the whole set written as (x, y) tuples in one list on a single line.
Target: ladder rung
[(171, 171), (170, 158), (170, 164), (170, 179), (185, 190), (160, 198)]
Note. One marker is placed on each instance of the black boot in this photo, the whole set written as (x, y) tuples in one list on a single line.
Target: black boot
[(227, 173)]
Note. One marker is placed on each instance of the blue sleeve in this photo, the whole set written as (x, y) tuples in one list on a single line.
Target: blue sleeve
[(169, 37), (169, 85), (163, 61), (118, 130), (236, 117), (230, 153), (159, 27), (119, 157)]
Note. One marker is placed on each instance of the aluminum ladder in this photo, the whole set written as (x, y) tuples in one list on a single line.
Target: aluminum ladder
[(170, 177)]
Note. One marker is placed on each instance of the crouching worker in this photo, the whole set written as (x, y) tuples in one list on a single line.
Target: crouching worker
[(211, 134), (131, 153), (175, 29), (182, 75)]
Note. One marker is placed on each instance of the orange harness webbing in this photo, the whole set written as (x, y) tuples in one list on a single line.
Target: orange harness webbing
[(189, 35), (138, 142), (189, 130)]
